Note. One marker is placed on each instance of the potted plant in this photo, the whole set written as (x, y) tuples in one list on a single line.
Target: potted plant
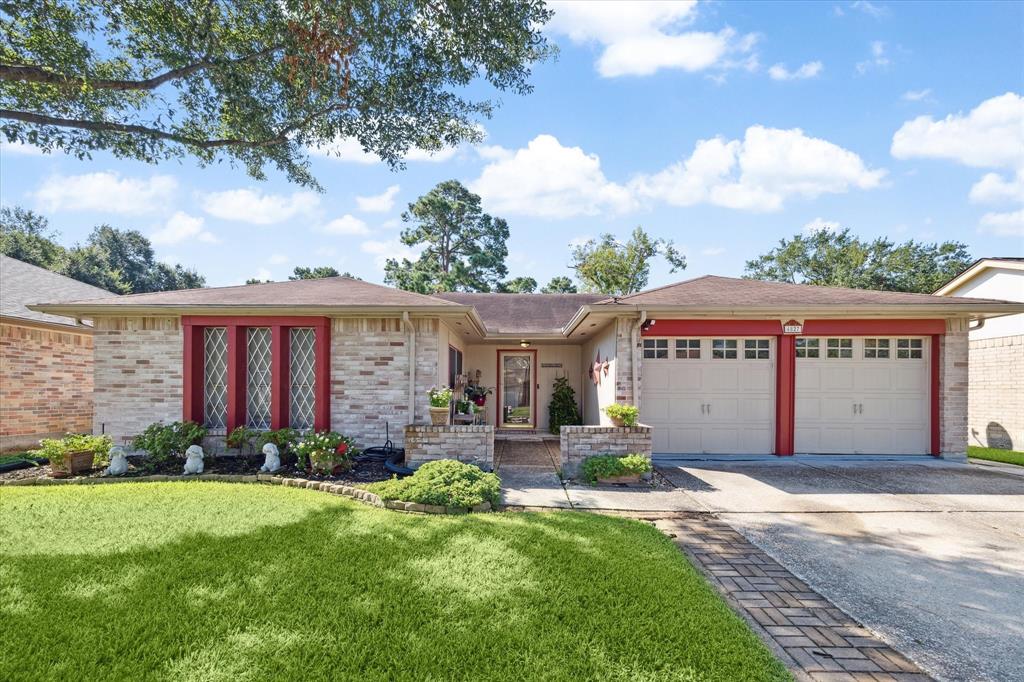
[(623, 415), (615, 469), (440, 402), (326, 453), (478, 394), (74, 453), (463, 407)]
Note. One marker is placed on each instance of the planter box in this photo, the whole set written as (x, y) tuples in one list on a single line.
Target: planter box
[(74, 463), (624, 478), (439, 416)]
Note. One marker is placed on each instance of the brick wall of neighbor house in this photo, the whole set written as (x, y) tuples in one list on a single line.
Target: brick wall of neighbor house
[(370, 377), (137, 374), (46, 386), (953, 396), (995, 414), (469, 444), (580, 442)]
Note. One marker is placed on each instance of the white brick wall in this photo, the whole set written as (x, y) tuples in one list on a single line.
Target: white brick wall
[(469, 444), (580, 442), (953, 365), (995, 414)]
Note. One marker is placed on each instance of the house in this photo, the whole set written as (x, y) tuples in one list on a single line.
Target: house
[(995, 416), (45, 360), (716, 364)]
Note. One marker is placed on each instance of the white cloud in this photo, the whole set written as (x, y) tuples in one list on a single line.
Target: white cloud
[(254, 207), (760, 172), (1003, 224), (779, 72), (640, 37), (547, 180), (990, 136), (263, 274), (712, 251), (106, 192), (870, 8), (349, 149), (994, 188), (383, 250), (878, 60), (379, 203), (277, 259), (346, 225), (19, 148), (916, 95), (493, 152), (181, 227), (820, 225)]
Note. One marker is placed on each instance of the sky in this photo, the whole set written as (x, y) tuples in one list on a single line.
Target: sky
[(722, 126)]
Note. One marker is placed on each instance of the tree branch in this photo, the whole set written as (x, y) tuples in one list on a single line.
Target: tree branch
[(27, 73)]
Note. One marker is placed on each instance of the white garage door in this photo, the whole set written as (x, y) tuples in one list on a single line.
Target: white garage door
[(709, 395), (862, 395)]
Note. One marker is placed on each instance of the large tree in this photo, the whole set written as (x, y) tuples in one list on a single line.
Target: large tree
[(258, 82), (559, 285), (319, 272), (27, 236), (617, 268), (463, 248), (840, 259), (518, 285)]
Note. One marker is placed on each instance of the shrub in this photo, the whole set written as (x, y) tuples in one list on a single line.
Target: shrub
[(239, 437), (610, 466), (56, 449), (161, 441), (440, 397), (562, 410), (445, 482), (285, 440), (627, 414), (324, 450)]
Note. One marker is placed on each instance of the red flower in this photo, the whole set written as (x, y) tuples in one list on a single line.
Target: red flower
[(342, 448)]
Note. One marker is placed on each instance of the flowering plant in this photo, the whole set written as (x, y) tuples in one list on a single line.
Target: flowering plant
[(440, 397), (324, 451)]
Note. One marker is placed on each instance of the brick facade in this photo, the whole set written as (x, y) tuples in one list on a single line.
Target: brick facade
[(469, 444), (953, 392), (995, 414), (46, 386), (624, 361), (580, 442)]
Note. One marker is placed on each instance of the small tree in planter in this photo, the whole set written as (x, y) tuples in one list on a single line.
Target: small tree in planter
[(562, 410), (623, 415), (440, 402), (74, 453), (326, 453)]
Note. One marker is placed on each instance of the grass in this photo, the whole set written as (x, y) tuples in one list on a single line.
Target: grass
[(214, 581), (996, 455)]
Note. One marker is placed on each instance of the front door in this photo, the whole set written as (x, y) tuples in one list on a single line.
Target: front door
[(516, 390)]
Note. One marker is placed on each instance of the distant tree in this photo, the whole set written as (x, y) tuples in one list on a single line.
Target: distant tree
[(840, 259), (256, 280), (258, 81), (616, 268), (463, 248), (518, 285), (319, 272), (559, 285), (27, 236)]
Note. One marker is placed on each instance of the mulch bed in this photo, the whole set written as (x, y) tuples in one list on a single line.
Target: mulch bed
[(361, 472)]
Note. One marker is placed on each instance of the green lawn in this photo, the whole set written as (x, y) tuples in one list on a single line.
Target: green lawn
[(995, 455), (214, 581)]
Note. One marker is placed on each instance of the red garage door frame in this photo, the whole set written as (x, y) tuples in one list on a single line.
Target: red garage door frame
[(785, 374)]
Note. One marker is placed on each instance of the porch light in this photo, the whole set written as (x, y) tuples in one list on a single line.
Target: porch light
[(524, 344)]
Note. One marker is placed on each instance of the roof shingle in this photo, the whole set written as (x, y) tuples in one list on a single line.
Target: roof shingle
[(22, 284), (523, 313)]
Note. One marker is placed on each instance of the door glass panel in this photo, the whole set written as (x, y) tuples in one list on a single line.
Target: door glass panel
[(687, 349), (723, 349), (807, 348), (876, 348), (839, 348), (516, 390), (656, 349), (755, 349), (908, 349)]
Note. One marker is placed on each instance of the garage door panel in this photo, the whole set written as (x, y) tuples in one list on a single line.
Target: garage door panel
[(838, 409), (684, 409), (874, 378), (757, 378), (909, 379), (808, 408), (684, 378), (755, 410), (683, 440), (808, 377), (718, 379), (724, 440), (837, 378), (724, 409), (756, 441)]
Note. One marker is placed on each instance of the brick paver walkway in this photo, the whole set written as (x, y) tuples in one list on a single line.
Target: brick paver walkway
[(808, 633)]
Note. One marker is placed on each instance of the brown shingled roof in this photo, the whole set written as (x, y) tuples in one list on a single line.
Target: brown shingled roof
[(22, 284), (523, 314), (715, 291)]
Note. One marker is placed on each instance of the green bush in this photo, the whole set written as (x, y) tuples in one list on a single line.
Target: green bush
[(285, 439), (446, 482), (610, 466), (440, 397), (56, 449), (628, 414), (323, 450), (562, 410), (162, 441), (239, 437)]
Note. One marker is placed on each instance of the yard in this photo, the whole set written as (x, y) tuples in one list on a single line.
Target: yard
[(218, 581), (996, 455)]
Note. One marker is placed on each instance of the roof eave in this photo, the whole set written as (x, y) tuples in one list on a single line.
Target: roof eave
[(973, 271), (90, 310)]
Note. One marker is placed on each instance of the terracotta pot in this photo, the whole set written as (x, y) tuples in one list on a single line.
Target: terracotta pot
[(617, 421), (439, 416), (76, 462)]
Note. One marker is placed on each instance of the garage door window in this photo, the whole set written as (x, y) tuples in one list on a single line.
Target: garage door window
[(656, 349), (908, 349), (808, 348), (755, 349), (876, 349), (839, 348), (687, 349), (723, 349)]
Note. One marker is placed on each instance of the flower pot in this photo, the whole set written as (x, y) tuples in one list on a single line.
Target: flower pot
[(76, 462), (617, 421), (439, 416), (480, 400), (624, 478)]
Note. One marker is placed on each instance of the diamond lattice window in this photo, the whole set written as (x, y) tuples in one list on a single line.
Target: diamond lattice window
[(257, 403), (215, 377), (302, 376)]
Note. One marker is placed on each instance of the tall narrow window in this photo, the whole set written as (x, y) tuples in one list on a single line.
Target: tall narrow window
[(454, 365), (257, 398), (302, 377), (215, 377)]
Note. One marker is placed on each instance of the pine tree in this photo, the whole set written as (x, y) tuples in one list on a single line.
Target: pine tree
[(562, 410)]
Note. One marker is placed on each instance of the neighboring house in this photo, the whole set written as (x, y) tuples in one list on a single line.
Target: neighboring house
[(45, 360), (716, 364), (996, 412)]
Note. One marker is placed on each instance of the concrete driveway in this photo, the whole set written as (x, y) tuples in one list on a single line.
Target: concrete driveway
[(928, 554)]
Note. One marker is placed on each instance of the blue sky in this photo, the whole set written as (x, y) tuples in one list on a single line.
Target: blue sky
[(721, 126)]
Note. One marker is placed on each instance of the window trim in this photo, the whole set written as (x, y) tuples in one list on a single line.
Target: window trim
[(687, 348), (909, 349), (654, 348), (839, 348), (807, 347), (725, 348), (879, 350)]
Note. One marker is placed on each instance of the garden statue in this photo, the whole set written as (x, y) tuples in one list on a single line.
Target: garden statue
[(272, 459), (194, 460), (118, 462)]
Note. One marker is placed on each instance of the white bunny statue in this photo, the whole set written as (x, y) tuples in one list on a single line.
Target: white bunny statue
[(272, 459), (118, 462), (194, 460)]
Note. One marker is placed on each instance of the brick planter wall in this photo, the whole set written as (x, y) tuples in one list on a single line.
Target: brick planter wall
[(580, 442), (469, 444)]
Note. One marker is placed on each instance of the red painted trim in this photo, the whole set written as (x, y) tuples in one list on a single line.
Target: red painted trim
[(322, 388), (192, 375), (785, 394), (713, 328), (533, 385), (872, 327), (252, 320), (279, 384), (934, 358), (237, 353)]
